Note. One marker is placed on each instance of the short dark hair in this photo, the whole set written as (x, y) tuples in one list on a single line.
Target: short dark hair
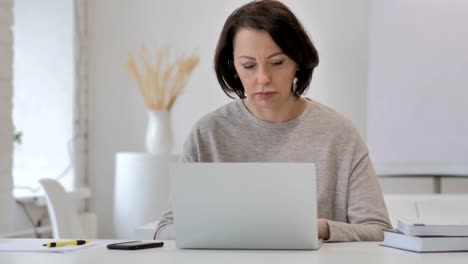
[(286, 31)]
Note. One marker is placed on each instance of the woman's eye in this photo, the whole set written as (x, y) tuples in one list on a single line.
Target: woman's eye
[(277, 63), (248, 66)]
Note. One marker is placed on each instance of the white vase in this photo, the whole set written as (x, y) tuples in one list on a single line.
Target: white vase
[(159, 133)]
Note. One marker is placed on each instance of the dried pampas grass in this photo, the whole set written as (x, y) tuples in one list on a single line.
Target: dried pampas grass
[(160, 84)]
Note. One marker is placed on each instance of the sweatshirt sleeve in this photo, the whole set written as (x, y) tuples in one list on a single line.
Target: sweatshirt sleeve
[(165, 229), (367, 214)]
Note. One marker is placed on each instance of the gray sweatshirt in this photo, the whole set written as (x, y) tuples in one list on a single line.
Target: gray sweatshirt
[(348, 192)]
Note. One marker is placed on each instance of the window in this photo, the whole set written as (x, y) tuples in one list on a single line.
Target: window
[(44, 92)]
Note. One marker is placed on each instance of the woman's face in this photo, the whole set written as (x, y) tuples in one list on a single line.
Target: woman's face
[(265, 71)]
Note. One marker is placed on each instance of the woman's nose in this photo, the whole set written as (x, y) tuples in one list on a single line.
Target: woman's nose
[(263, 76)]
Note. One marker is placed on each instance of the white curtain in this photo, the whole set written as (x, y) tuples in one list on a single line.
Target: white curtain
[(81, 91), (7, 204)]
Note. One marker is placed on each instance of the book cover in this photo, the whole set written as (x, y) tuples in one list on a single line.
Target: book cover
[(433, 227), (396, 239)]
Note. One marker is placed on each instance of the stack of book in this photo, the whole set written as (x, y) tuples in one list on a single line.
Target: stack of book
[(428, 236)]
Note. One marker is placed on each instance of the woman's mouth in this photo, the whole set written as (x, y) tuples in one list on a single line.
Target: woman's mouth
[(265, 95)]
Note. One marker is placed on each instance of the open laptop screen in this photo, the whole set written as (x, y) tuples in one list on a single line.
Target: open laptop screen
[(245, 205)]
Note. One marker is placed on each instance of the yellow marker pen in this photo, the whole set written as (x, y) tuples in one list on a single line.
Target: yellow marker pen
[(66, 243)]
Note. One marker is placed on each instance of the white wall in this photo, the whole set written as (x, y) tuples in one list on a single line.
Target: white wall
[(340, 30), (117, 117), (418, 113)]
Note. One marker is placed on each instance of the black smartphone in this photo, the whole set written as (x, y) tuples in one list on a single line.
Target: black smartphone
[(134, 245)]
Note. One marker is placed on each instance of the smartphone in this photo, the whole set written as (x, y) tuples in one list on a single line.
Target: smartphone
[(134, 245)]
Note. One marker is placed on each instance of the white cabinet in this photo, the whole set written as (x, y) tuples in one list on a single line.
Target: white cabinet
[(141, 190)]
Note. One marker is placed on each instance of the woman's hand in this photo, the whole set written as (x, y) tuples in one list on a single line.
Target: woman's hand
[(323, 229)]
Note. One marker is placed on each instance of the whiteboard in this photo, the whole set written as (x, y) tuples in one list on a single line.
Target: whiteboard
[(418, 86)]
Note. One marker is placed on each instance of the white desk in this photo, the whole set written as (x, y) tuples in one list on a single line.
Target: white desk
[(339, 253)]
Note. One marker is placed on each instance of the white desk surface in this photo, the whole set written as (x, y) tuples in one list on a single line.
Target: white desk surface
[(339, 253)]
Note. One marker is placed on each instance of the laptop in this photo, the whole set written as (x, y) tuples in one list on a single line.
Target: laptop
[(245, 205)]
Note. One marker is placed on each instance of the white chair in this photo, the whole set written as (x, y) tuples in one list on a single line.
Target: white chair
[(64, 218)]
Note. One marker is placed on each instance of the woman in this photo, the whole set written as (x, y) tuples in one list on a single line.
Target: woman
[(265, 57)]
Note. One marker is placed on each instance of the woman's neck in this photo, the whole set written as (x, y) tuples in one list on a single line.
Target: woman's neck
[(283, 113)]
